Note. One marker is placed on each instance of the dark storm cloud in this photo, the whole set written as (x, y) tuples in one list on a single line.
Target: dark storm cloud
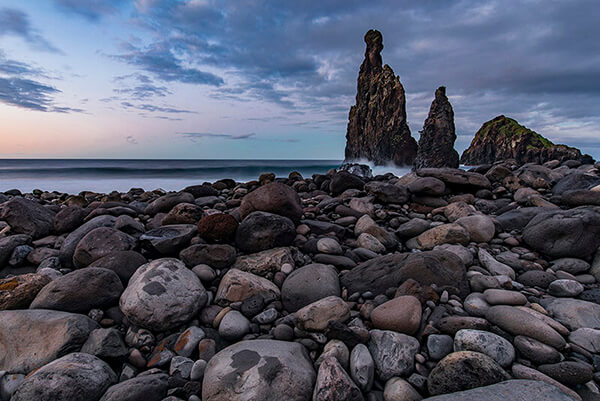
[(92, 10), (16, 22), (19, 87)]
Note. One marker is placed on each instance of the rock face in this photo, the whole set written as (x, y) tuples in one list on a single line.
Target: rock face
[(266, 370), (32, 338), (162, 294), (504, 138), (436, 144), (377, 128)]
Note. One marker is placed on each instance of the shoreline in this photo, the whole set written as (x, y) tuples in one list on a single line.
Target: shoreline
[(420, 277)]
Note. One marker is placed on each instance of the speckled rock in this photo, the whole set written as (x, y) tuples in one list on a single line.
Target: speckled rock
[(393, 353)]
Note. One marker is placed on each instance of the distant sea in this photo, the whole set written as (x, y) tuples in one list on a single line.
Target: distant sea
[(76, 175)]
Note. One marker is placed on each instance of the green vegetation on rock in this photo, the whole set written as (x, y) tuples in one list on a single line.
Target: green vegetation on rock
[(503, 126)]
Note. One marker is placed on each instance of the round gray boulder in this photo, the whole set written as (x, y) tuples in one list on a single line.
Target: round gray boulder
[(309, 284), (162, 294), (266, 370)]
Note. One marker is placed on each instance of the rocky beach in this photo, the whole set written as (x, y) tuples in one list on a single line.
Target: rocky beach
[(443, 284)]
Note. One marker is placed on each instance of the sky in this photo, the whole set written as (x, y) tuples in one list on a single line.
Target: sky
[(275, 79)]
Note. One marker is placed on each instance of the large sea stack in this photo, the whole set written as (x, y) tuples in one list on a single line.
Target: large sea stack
[(504, 138), (436, 144), (377, 128)]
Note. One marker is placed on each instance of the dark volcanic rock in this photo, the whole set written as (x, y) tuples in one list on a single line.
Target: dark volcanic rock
[(80, 291), (124, 263), (152, 387), (8, 244), (274, 198), (260, 231), (169, 239), (220, 227), (564, 233), (442, 268), (377, 128), (436, 144), (100, 242), (68, 219), (503, 138), (18, 292), (343, 181), (27, 217), (70, 243)]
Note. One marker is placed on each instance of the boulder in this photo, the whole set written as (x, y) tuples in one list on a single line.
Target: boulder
[(74, 377), (27, 217), (436, 143), (237, 285), (218, 256), (480, 227), (377, 127), (80, 291), (100, 242), (18, 292), (8, 245), (32, 338), (387, 193), (162, 294), (166, 202), (510, 390), (70, 243), (265, 263), (442, 268), (276, 198), (151, 387), (268, 370), (260, 231), (218, 227), (334, 384), (124, 263), (574, 313), (464, 370), (564, 233), (183, 213), (308, 284), (456, 177), (168, 240), (68, 219), (401, 314), (490, 344), (393, 353), (444, 234), (317, 315)]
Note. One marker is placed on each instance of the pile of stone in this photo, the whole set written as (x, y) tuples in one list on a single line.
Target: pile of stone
[(442, 285)]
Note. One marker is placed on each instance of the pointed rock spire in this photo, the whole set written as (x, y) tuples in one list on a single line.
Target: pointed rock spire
[(436, 145), (377, 128)]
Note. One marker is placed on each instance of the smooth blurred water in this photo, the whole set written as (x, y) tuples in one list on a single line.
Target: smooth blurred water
[(76, 175)]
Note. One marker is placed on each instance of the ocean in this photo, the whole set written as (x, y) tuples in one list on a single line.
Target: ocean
[(104, 175)]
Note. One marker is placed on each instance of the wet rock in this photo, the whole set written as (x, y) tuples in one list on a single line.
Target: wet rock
[(464, 370), (74, 377), (260, 231), (169, 239), (276, 198), (308, 284), (80, 291), (162, 294), (267, 370), (393, 353), (27, 217)]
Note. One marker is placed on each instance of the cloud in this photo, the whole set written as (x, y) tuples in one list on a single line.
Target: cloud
[(197, 136), (131, 140), (143, 89), (19, 87), (91, 10), (16, 22), (152, 108), (160, 60)]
